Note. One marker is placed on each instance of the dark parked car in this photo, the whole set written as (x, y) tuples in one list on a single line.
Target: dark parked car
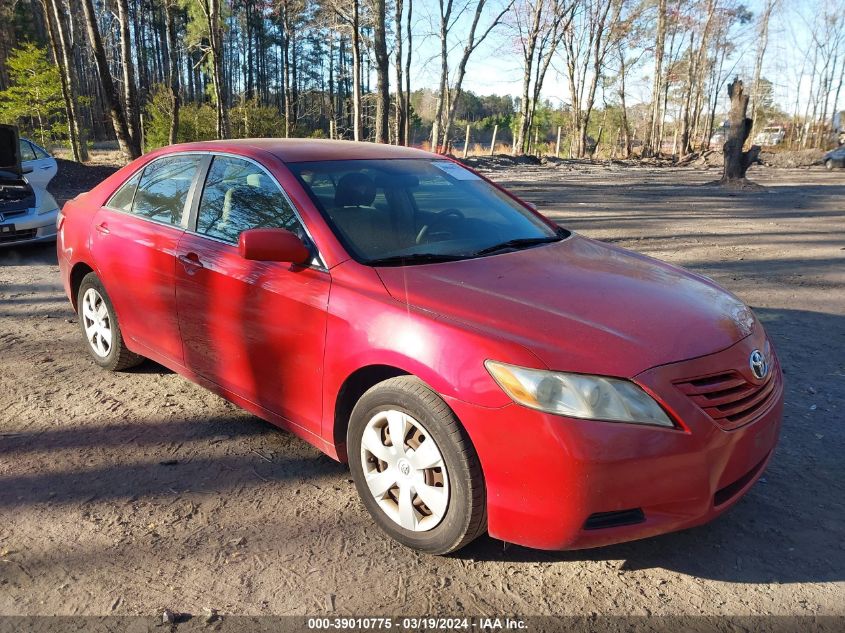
[(835, 158)]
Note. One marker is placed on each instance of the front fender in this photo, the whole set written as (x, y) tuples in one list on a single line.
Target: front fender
[(368, 327)]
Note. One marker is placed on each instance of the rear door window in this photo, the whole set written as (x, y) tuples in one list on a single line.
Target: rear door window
[(163, 189), (121, 200), (39, 152)]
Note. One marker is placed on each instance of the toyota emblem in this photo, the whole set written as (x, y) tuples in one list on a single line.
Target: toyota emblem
[(759, 365)]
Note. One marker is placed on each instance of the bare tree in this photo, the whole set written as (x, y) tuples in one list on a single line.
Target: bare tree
[(762, 44), (63, 55), (127, 144), (213, 51), (130, 92), (407, 107), (172, 70), (445, 25), (651, 144), (539, 24), (585, 45), (399, 119), (694, 82), (472, 43), (382, 70), (349, 12)]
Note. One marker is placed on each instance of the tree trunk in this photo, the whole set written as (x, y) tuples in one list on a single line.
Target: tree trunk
[(357, 122), (382, 71), (528, 46), (737, 161), (64, 58), (650, 148), (130, 93), (626, 126), (118, 117), (212, 12), (445, 16), (407, 107), (173, 68), (763, 34), (399, 121)]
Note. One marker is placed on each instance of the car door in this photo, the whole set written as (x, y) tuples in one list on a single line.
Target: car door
[(38, 165), (254, 328), (133, 241)]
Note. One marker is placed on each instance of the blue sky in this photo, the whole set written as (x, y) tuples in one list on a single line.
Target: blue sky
[(496, 66)]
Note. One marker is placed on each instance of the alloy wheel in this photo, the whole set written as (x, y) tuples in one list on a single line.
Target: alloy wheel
[(97, 323)]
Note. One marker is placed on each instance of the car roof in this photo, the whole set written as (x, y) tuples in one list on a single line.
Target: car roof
[(296, 150)]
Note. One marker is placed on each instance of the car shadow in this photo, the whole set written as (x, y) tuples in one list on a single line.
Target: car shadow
[(29, 255)]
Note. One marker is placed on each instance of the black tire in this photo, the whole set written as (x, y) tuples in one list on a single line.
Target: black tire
[(118, 357), (466, 513)]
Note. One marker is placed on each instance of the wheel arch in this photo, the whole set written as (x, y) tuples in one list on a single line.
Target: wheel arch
[(77, 274), (351, 390)]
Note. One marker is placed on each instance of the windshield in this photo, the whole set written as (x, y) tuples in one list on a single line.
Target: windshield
[(403, 211)]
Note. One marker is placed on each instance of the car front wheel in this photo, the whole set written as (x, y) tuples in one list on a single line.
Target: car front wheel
[(414, 467), (99, 325), (829, 164)]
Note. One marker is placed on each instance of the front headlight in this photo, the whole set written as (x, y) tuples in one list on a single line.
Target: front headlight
[(578, 395)]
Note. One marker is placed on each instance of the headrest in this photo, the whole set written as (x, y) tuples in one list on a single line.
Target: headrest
[(255, 180), (355, 190)]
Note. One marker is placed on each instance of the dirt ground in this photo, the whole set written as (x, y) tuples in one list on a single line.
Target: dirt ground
[(126, 493)]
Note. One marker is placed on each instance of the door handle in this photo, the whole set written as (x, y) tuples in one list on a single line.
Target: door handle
[(46, 168), (191, 260), (103, 228)]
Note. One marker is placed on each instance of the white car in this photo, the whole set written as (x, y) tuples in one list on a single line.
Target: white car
[(772, 135), (38, 166), (27, 210)]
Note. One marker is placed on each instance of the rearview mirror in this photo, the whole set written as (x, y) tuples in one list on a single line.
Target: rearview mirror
[(272, 245)]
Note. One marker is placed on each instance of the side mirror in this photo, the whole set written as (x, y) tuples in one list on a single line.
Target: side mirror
[(26, 170), (272, 245)]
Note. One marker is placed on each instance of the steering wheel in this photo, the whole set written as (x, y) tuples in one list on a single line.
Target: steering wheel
[(440, 218)]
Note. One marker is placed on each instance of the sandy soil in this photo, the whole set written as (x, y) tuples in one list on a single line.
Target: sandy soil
[(125, 493)]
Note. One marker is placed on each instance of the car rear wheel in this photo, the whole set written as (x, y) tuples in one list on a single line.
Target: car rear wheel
[(99, 325), (829, 164), (414, 467)]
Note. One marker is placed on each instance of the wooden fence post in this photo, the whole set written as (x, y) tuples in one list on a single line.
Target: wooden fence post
[(493, 142), (557, 145), (466, 142)]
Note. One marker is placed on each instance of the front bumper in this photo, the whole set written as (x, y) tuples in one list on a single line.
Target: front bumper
[(28, 229), (562, 483)]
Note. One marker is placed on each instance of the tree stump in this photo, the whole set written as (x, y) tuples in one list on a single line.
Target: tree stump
[(737, 161)]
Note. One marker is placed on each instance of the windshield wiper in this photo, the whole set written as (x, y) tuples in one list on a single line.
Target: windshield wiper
[(415, 258), (516, 243)]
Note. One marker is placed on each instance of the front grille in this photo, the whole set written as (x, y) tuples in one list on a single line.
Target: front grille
[(729, 398), (15, 236)]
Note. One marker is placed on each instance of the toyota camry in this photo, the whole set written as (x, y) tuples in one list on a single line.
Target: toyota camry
[(480, 368)]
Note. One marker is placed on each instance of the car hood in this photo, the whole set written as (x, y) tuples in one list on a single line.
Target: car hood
[(580, 305)]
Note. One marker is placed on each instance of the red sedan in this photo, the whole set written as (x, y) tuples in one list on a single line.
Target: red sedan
[(480, 368)]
